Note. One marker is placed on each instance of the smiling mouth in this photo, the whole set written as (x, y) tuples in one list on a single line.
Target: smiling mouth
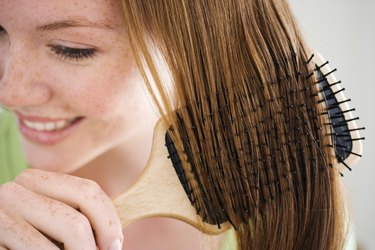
[(47, 131), (50, 126)]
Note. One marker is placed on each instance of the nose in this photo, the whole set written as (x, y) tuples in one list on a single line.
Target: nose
[(21, 83)]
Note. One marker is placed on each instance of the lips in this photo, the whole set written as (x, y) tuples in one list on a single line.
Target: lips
[(44, 130)]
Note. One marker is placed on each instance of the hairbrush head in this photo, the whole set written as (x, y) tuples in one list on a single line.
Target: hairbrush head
[(246, 144), (345, 137)]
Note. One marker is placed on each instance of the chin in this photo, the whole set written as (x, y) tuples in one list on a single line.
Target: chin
[(52, 162), (55, 158)]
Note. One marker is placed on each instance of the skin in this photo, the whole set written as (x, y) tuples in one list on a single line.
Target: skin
[(70, 182)]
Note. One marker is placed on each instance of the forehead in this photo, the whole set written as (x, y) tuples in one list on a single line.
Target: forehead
[(37, 12)]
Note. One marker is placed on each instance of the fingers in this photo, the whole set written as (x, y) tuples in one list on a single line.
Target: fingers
[(84, 195), (56, 219), (17, 234)]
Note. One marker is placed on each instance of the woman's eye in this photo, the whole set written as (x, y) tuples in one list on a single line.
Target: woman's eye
[(73, 53)]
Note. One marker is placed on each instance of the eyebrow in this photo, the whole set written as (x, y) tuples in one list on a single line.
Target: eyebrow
[(76, 22)]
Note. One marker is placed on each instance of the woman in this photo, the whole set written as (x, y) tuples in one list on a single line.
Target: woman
[(69, 73)]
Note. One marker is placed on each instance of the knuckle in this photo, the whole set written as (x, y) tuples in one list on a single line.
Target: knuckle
[(81, 226), (91, 188), (8, 190), (24, 175)]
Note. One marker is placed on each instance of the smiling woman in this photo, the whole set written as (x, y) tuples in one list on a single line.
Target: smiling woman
[(68, 73), (76, 73), (74, 76)]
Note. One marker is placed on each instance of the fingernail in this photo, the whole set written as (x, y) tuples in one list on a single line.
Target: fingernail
[(116, 245)]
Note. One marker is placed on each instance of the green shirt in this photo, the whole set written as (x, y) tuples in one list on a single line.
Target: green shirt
[(12, 161)]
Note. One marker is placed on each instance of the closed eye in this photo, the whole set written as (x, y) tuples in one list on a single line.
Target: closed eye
[(76, 54)]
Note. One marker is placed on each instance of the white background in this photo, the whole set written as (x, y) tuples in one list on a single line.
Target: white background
[(343, 31)]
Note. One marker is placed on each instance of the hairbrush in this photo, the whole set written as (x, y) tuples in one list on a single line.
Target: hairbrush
[(346, 140), (165, 188), (159, 192)]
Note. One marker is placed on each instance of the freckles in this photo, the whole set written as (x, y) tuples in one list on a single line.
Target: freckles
[(100, 101), (110, 89)]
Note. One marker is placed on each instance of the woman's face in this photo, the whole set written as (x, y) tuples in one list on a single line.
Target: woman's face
[(67, 70)]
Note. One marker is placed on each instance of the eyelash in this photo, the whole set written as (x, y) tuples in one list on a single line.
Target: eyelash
[(76, 54)]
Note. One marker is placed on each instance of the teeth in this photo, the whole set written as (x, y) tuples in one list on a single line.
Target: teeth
[(61, 124), (47, 126)]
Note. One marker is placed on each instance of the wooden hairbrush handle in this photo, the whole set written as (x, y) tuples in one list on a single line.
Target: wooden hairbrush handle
[(159, 193)]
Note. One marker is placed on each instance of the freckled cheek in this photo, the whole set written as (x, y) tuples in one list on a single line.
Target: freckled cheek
[(101, 90), (103, 97)]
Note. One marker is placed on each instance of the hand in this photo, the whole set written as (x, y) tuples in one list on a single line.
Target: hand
[(39, 205)]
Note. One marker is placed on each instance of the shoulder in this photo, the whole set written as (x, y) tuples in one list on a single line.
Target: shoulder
[(11, 157)]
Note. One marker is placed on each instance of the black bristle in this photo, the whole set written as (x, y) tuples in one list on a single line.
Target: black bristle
[(321, 80), (340, 114), (351, 152), (344, 123), (328, 86), (355, 139), (309, 75), (321, 66), (332, 71), (334, 93), (346, 165), (355, 129), (309, 60)]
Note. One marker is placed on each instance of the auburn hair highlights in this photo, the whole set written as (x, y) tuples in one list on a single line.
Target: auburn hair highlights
[(244, 110)]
